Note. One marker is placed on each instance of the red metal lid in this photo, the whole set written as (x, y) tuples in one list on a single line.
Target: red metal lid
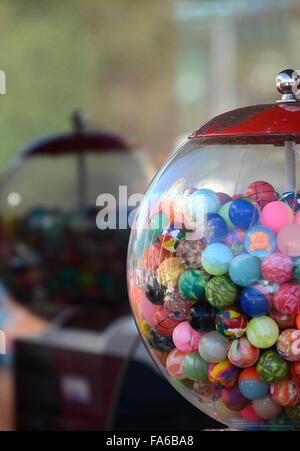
[(257, 124)]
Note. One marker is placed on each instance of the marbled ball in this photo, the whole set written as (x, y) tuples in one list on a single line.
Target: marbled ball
[(223, 374), (153, 256), (288, 345), (277, 268), (243, 213), (192, 283), (186, 338), (271, 367), (160, 342), (233, 399), (242, 353), (174, 363), (262, 332), (293, 412), (231, 323), (295, 371), (221, 292), (285, 393), (287, 298), (256, 300), (155, 292), (284, 320)]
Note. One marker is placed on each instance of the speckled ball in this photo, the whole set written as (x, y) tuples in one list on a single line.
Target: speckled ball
[(177, 306), (266, 407), (189, 253), (207, 392)]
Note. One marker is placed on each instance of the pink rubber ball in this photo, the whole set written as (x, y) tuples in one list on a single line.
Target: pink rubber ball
[(276, 215), (185, 338)]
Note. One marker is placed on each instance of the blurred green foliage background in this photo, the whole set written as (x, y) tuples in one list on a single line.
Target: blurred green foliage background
[(113, 59), (151, 70)]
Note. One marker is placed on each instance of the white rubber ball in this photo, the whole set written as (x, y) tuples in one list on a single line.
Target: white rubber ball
[(213, 347)]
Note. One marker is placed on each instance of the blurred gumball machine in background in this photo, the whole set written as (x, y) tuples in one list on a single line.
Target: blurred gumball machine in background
[(55, 261)]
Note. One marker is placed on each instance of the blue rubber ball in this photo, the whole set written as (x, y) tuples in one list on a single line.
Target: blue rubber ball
[(253, 388), (255, 300), (245, 269), (215, 229), (243, 213)]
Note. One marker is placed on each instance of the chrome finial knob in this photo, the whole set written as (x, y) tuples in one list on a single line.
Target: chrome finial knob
[(288, 85)]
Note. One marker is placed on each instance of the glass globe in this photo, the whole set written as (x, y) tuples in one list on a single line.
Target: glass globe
[(214, 268)]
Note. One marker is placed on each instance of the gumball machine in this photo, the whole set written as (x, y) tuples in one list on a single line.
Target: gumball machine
[(213, 265)]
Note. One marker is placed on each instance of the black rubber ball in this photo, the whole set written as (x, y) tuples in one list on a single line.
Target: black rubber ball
[(160, 342), (202, 316), (155, 292)]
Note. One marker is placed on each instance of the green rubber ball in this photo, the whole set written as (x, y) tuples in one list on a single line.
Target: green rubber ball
[(221, 292), (271, 367), (194, 367), (192, 284)]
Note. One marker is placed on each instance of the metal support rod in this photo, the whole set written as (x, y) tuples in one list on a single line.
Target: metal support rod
[(290, 166), (82, 182), (79, 119)]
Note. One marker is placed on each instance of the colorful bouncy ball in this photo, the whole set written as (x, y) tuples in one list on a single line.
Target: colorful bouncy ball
[(276, 215), (262, 192), (250, 384), (223, 374), (231, 323), (235, 240), (262, 332), (242, 353), (243, 213), (216, 259), (271, 367), (256, 300)]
